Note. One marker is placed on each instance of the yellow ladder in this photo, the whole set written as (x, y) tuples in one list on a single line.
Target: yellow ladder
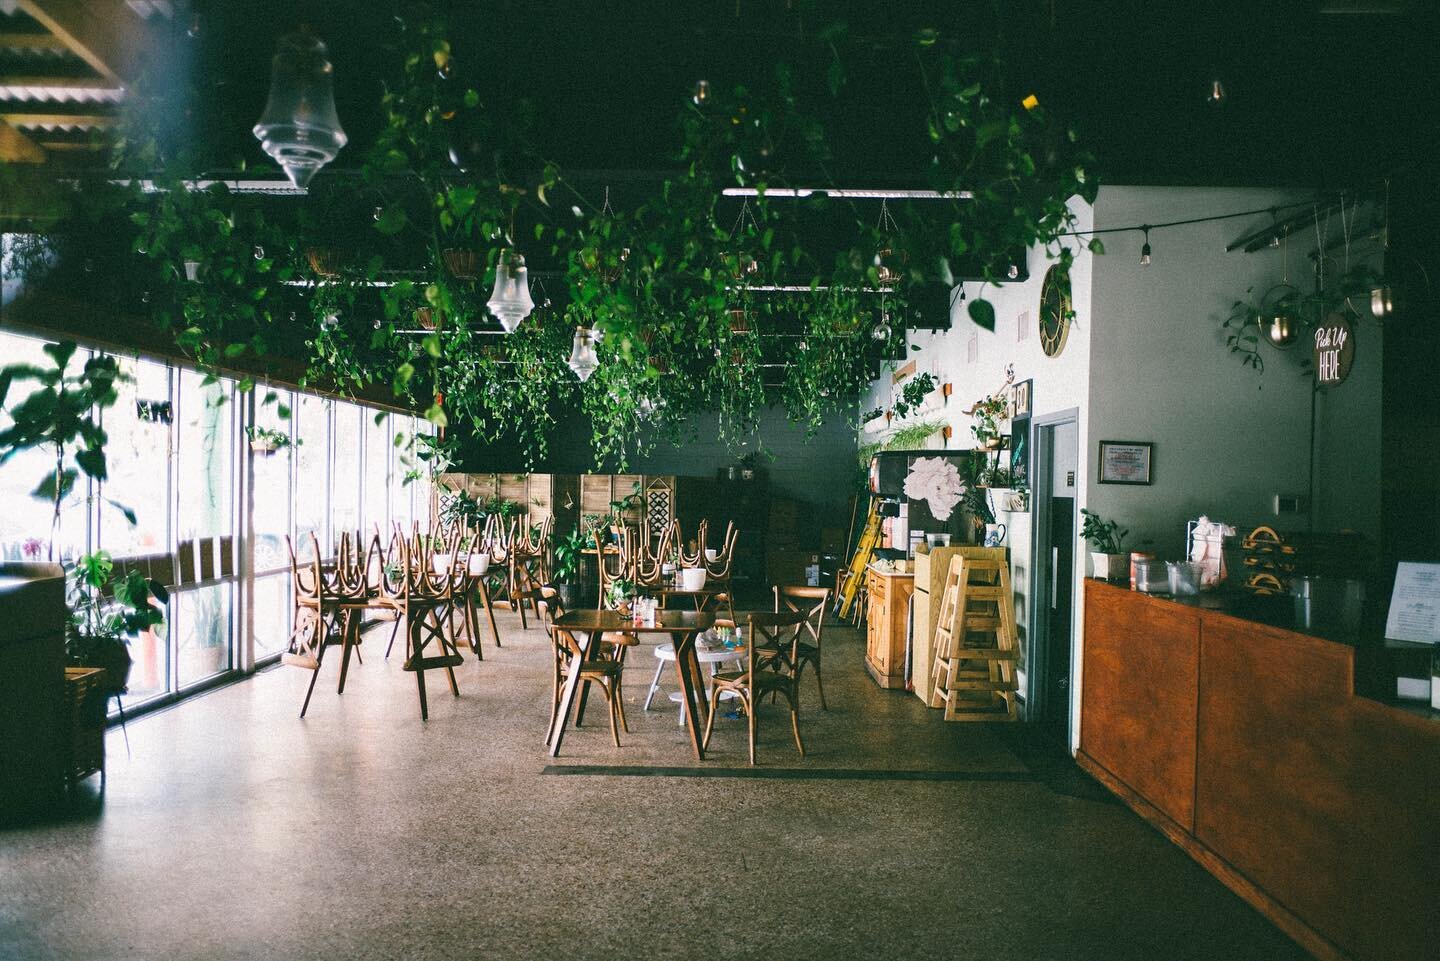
[(855, 574)]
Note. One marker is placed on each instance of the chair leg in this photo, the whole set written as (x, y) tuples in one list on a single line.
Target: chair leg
[(654, 685), (612, 700), (584, 698), (447, 646), (416, 652), (752, 722), (314, 675), (710, 721), (472, 625), (348, 630), (620, 705), (399, 616), (820, 684)]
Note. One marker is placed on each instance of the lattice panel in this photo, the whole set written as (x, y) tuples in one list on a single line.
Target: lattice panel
[(658, 511)]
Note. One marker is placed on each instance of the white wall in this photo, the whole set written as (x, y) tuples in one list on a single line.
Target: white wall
[(1146, 361)]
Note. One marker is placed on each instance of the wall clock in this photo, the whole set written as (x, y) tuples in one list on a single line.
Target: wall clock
[(1055, 310)]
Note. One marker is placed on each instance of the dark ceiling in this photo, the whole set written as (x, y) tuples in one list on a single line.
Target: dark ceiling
[(1314, 98)]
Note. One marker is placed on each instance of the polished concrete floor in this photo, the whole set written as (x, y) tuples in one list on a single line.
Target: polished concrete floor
[(236, 830)]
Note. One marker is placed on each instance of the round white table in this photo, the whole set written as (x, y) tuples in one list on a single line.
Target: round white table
[(706, 652)]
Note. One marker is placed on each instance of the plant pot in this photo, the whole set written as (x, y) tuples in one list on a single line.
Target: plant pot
[(114, 657), (325, 261), (262, 447), (991, 443), (1110, 567), (570, 595), (739, 323), (425, 317), (464, 264), (692, 578)]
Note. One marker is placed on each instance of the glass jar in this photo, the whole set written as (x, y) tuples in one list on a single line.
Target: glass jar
[(1184, 577)]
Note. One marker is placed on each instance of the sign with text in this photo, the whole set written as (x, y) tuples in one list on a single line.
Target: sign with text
[(1334, 351)]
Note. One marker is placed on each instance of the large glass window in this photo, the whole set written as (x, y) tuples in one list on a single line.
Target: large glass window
[(138, 463), (312, 477), (25, 520), (272, 458), (202, 630), (378, 445), (205, 458), (345, 477), (272, 614)]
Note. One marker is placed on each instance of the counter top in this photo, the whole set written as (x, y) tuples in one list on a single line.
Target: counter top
[(879, 573)]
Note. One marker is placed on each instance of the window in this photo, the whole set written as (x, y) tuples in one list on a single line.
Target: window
[(378, 444), (312, 473), (346, 473), (271, 463), (138, 464)]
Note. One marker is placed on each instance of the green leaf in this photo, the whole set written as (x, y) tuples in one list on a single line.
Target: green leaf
[(436, 416), (1096, 247), (92, 462), (283, 412), (392, 220), (982, 312)]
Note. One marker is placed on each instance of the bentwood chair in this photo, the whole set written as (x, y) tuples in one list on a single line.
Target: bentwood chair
[(427, 600), (762, 675), (809, 602), (323, 601), (601, 669)]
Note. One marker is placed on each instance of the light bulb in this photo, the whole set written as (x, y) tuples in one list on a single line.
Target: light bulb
[(1145, 250), (701, 92), (510, 301), (192, 270), (299, 127), (1217, 92)]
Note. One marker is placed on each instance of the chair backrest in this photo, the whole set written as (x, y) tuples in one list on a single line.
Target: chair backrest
[(720, 568), (808, 601), (690, 558), (771, 630)]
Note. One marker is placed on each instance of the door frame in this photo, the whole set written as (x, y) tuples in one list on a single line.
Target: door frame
[(1037, 657)]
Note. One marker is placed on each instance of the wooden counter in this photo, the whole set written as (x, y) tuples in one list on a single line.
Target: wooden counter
[(32, 688), (1247, 746), (885, 623)]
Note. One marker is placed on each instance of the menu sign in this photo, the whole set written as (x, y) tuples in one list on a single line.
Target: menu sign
[(1334, 351), (1415, 604)]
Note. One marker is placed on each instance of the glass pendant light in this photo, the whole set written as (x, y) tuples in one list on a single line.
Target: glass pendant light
[(510, 301), (299, 128), (582, 355), (1145, 249)]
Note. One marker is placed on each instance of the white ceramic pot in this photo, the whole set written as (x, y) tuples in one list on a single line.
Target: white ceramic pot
[(712, 555), (479, 564), (1110, 567), (442, 563), (692, 578)]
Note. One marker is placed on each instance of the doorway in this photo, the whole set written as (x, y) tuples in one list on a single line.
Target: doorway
[(1052, 630)]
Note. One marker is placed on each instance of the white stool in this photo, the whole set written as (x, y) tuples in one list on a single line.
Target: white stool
[(705, 655)]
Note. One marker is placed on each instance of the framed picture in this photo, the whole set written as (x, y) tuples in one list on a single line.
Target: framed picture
[(1125, 462), (1022, 399), (1020, 452)]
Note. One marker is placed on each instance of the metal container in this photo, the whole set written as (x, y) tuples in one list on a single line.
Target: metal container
[(1183, 577), (1149, 575), (1327, 604)]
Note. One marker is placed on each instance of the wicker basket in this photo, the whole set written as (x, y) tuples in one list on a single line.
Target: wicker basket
[(85, 700)]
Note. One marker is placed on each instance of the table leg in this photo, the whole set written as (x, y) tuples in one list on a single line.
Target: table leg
[(567, 700), (687, 667)]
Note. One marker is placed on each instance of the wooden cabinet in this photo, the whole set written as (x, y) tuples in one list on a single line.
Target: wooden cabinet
[(885, 626), (1247, 746), (32, 687)]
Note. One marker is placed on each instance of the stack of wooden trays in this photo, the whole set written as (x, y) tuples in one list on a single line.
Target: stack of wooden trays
[(1272, 559)]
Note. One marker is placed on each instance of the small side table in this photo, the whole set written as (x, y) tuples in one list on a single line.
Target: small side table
[(705, 654), (85, 717)]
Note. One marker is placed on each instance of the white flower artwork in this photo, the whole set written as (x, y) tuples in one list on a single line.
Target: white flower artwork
[(935, 480)]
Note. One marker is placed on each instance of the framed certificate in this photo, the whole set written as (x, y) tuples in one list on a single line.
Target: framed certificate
[(1125, 462)]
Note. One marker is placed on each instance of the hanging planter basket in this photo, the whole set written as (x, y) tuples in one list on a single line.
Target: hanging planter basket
[(739, 322), (327, 262), (464, 264), (425, 317)]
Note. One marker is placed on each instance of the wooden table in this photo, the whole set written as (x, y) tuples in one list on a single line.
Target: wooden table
[(702, 599), (682, 627)]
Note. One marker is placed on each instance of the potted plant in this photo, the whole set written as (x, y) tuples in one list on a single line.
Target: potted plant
[(988, 412), (266, 441), (619, 593), (569, 548), (106, 610), (1107, 558)]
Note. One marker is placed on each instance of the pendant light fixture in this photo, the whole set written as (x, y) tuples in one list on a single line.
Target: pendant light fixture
[(299, 127), (583, 360), (1145, 248), (1216, 96), (510, 302)]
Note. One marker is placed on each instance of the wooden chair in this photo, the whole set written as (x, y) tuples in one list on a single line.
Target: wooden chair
[(810, 602), (325, 601), (601, 668), (722, 568), (762, 674), (427, 600)]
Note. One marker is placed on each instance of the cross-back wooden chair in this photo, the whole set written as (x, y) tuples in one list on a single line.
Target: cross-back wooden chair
[(529, 560), (601, 668), (810, 602), (648, 557), (762, 675)]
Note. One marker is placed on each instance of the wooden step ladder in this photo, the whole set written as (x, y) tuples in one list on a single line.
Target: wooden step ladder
[(855, 573), (975, 644)]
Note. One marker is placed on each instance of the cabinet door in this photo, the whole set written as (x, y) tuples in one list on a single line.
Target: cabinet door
[(878, 641)]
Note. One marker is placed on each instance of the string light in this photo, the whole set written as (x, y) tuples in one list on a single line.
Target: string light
[(1145, 248)]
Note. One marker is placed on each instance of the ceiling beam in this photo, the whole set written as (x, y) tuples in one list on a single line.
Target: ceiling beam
[(106, 34), (15, 147), (31, 41), (33, 120)]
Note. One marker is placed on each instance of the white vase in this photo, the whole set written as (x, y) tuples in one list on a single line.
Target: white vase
[(1109, 567), (692, 578)]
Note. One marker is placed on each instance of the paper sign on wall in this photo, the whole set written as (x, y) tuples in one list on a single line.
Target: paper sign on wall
[(1415, 604)]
